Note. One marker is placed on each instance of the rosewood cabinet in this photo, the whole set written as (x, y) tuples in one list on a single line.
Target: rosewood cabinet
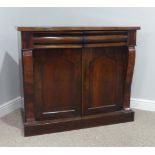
[(76, 77)]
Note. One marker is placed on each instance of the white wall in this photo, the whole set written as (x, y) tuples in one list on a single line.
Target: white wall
[(143, 86)]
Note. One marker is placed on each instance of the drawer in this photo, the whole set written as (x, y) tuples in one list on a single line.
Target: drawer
[(58, 39), (75, 39), (105, 38)]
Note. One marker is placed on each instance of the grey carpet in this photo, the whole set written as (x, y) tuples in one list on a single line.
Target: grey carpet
[(141, 132)]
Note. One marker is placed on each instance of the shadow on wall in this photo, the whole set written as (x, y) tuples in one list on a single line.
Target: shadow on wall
[(8, 79)]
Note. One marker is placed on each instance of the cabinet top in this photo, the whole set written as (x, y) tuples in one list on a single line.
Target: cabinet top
[(97, 28)]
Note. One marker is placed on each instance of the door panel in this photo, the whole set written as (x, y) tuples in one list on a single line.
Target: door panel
[(103, 79), (57, 83)]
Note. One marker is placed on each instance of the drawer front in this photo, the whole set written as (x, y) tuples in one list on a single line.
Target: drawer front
[(77, 39), (57, 39), (105, 38)]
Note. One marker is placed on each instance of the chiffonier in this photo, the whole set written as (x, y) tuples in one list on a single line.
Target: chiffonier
[(76, 77)]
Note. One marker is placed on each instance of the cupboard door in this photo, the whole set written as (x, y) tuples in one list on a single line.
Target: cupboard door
[(57, 83), (103, 76)]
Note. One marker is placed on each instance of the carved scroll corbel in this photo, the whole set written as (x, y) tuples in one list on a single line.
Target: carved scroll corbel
[(28, 87), (129, 75)]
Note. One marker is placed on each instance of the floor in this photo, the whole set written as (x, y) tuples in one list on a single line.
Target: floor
[(141, 132)]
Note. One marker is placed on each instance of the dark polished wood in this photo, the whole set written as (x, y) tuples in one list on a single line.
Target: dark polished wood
[(57, 72), (28, 84), (98, 28), (38, 128), (103, 73), (128, 78), (76, 77)]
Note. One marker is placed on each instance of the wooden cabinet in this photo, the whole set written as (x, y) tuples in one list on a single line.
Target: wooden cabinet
[(76, 77)]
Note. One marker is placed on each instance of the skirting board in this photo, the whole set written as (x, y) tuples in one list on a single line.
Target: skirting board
[(10, 106), (136, 103), (142, 104)]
